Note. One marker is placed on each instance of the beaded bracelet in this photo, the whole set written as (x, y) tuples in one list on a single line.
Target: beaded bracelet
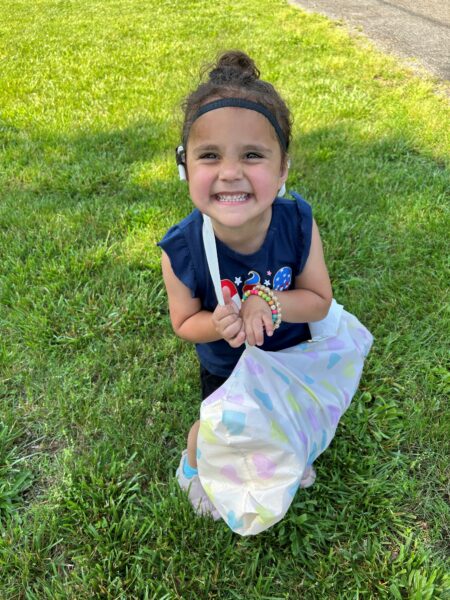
[(266, 294)]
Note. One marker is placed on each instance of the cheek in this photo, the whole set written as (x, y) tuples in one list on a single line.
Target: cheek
[(199, 181), (267, 177), (199, 186)]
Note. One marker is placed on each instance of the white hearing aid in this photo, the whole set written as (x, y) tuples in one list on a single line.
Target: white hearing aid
[(180, 158), (282, 190)]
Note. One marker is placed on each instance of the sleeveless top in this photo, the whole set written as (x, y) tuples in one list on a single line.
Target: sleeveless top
[(276, 264)]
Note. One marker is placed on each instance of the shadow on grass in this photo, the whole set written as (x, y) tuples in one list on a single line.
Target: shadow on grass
[(82, 215), (80, 168), (92, 359)]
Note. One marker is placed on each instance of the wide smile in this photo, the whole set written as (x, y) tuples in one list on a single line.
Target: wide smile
[(237, 198)]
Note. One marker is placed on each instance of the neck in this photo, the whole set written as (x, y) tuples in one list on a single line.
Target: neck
[(246, 239)]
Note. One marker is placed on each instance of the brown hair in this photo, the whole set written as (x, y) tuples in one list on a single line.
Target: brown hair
[(235, 75)]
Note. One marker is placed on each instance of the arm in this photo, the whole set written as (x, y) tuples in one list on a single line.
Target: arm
[(312, 296), (191, 322), (309, 301)]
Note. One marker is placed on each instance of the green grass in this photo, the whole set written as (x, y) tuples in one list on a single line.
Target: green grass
[(97, 394)]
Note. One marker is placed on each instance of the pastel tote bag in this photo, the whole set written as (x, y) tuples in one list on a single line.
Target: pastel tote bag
[(275, 414)]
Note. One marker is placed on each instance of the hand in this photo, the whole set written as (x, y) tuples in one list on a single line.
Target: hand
[(257, 317), (228, 322)]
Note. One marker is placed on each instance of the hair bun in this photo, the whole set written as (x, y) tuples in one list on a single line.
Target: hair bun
[(234, 65)]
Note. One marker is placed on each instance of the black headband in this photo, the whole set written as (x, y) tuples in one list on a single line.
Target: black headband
[(242, 103)]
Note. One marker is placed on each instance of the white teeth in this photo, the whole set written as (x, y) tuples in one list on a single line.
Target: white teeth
[(234, 198)]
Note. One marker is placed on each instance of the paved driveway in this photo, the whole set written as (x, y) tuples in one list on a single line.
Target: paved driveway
[(412, 29)]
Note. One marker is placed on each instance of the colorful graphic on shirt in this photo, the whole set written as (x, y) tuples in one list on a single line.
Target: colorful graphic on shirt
[(251, 281), (227, 283), (282, 279)]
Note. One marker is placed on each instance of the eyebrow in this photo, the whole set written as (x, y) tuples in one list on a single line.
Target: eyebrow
[(205, 148), (258, 147), (246, 148)]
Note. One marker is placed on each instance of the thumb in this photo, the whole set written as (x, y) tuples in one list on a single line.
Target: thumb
[(226, 295)]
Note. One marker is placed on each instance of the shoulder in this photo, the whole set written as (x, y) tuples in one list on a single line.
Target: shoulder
[(292, 207), (294, 221), (183, 235), (293, 211), (182, 246)]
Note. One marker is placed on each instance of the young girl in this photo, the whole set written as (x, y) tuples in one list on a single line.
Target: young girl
[(236, 136)]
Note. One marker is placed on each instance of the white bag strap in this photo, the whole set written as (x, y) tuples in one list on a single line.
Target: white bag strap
[(209, 242)]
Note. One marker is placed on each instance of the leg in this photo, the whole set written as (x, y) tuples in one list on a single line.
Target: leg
[(192, 445), (189, 480), (187, 474)]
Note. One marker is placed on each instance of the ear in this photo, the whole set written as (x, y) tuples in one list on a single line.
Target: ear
[(283, 176), (285, 169), (285, 164)]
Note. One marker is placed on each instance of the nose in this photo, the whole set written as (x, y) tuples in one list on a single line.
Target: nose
[(230, 170)]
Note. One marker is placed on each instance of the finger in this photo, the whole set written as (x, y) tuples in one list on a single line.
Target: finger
[(268, 324), (227, 319), (232, 330), (255, 331), (226, 295), (223, 312), (230, 305), (238, 340), (259, 332), (249, 334), (222, 324)]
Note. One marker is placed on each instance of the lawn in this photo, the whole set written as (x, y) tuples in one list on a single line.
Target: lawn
[(97, 394)]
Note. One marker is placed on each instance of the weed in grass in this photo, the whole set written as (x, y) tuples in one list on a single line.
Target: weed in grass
[(15, 476)]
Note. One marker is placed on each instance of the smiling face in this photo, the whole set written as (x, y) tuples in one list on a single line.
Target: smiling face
[(235, 170)]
